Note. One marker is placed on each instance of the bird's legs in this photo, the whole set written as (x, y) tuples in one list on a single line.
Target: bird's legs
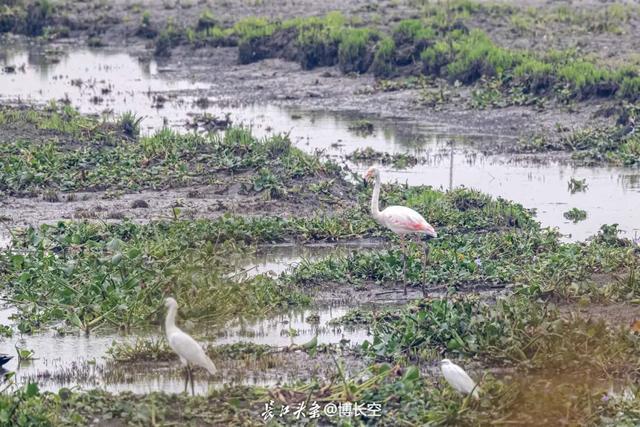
[(403, 245), (192, 385), (424, 269), (186, 378)]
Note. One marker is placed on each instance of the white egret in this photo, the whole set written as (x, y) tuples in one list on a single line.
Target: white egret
[(458, 378), (189, 351), (399, 219)]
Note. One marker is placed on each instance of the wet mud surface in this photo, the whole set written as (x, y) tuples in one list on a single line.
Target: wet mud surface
[(445, 148)]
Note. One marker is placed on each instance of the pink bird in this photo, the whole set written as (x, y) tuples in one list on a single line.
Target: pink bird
[(399, 219)]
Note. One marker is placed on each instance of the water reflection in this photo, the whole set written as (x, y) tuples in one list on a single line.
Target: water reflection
[(77, 360), (452, 159)]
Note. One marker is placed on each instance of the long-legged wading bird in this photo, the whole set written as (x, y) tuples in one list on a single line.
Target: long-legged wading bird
[(399, 219), (458, 378), (189, 351)]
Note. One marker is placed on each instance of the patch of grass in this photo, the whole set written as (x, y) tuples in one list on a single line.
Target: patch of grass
[(477, 56), (118, 274), (169, 37), (413, 31), (125, 160), (362, 127), (576, 215), (584, 76), (536, 76), (445, 46), (353, 52), (317, 39), (154, 350), (268, 184), (142, 350), (369, 155), (513, 330), (383, 61), (130, 124), (435, 57), (146, 28), (27, 406), (609, 144), (252, 28), (577, 185), (206, 20), (60, 124)]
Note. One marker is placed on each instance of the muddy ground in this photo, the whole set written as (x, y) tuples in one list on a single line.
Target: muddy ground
[(285, 83)]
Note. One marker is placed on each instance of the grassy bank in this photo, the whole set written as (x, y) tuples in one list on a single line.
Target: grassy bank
[(60, 150), (438, 45)]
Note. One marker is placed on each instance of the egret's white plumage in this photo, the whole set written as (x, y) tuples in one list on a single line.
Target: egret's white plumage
[(188, 349), (458, 378)]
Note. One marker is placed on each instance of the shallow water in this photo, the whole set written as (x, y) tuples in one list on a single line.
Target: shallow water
[(613, 195), (276, 259), (76, 360)]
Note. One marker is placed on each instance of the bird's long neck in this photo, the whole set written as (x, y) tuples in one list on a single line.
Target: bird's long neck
[(170, 321), (375, 209)]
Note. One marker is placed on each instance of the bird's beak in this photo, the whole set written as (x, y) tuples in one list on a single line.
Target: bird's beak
[(366, 177), (430, 233)]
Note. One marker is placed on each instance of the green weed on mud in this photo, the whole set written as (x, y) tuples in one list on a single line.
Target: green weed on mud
[(616, 144), (441, 41), (88, 275), (112, 155), (117, 273)]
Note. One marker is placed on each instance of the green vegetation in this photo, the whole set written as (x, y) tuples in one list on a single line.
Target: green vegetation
[(146, 28), (30, 18), (609, 144), (206, 20), (27, 406), (369, 155), (575, 215), (60, 123), (512, 332), (353, 50), (444, 45), (383, 64), (577, 185), (532, 262), (118, 274), (146, 350), (406, 397), (362, 127), (113, 155)]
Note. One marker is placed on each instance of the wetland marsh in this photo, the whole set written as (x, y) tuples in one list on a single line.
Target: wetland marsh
[(213, 152)]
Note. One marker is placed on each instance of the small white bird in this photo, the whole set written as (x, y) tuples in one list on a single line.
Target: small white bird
[(189, 351), (458, 378)]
